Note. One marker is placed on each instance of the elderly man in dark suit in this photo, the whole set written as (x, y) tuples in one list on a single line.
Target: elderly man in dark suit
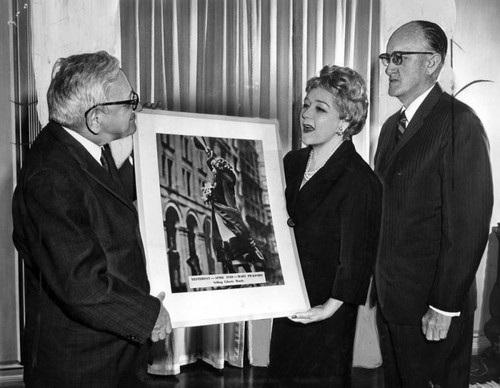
[(433, 161), (88, 308)]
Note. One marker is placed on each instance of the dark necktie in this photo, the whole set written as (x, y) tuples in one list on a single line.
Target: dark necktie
[(108, 163), (104, 160), (401, 125)]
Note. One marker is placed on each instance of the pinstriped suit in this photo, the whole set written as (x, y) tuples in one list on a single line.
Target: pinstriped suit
[(88, 308), (437, 202)]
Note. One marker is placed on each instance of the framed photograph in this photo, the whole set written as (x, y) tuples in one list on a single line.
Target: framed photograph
[(213, 218)]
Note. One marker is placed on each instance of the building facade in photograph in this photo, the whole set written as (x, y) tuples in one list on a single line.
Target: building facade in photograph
[(191, 235)]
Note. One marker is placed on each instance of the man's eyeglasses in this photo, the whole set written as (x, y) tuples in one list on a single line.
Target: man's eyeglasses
[(133, 102), (397, 56)]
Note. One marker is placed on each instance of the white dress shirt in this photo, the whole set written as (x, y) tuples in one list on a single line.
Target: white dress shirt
[(92, 148)]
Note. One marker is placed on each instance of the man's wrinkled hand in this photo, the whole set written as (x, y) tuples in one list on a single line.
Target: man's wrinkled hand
[(435, 326), (163, 326)]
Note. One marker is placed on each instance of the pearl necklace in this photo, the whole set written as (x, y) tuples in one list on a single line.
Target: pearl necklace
[(308, 174)]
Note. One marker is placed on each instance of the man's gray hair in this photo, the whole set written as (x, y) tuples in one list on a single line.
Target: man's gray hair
[(78, 83)]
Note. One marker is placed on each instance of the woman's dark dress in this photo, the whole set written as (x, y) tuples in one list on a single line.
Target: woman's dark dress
[(336, 217)]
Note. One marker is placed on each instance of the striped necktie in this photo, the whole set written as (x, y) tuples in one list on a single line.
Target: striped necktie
[(104, 160), (402, 122)]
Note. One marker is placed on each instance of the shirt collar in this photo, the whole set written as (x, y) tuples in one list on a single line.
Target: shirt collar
[(92, 148), (412, 108)]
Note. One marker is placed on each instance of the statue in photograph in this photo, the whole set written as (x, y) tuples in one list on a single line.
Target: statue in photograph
[(233, 243)]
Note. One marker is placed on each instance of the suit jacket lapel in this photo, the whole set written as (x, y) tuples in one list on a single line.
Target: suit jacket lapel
[(90, 166), (314, 191), (415, 124), (295, 172), (386, 142)]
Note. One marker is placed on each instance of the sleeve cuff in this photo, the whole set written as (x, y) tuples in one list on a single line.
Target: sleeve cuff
[(351, 285), (446, 313)]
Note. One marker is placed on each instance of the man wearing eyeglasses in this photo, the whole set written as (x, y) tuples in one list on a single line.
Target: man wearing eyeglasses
[(433, 161), (89, 313)]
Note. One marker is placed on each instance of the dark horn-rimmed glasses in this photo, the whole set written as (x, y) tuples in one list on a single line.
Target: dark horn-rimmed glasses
[(133, 102), (397, 57)]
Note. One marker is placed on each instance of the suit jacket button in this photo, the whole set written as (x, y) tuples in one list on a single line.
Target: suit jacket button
[(290, 223)]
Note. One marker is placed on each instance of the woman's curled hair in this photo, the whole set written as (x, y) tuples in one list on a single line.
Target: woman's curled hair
[(349, 91)]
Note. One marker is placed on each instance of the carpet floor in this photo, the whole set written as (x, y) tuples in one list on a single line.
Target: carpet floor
[(485, 369)]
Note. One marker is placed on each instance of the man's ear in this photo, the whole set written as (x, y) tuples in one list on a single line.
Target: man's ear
[(434, 63), (94, 120)]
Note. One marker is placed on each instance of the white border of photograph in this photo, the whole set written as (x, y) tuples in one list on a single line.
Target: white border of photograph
[(215, 306)]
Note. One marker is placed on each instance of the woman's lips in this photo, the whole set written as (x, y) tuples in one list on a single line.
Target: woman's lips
[(307, 128)]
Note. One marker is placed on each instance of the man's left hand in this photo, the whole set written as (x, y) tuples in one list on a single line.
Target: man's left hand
[(435, 325), (163, 326)]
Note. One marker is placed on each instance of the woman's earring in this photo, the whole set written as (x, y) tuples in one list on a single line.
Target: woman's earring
[(340, 130)]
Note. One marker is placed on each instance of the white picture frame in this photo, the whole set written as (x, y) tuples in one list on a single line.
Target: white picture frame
[(203, 285)]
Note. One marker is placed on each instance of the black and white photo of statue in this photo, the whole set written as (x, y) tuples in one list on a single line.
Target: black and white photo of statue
[(234, 245), (216, 211)]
